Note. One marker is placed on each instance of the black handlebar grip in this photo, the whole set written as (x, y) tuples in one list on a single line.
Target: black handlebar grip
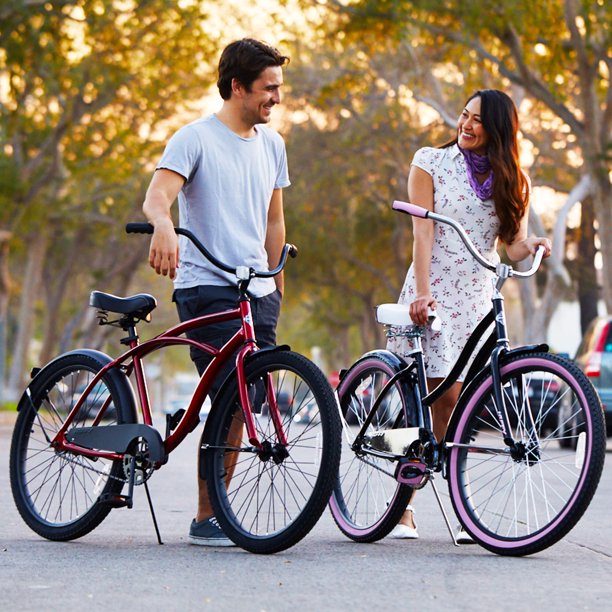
[(293, 250), (139, 228)]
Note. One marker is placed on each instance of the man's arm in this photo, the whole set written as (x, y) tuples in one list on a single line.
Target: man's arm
[(163, 190), (275, 235)]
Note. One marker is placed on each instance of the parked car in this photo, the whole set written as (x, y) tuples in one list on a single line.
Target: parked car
[(594, 358), (542, 393)]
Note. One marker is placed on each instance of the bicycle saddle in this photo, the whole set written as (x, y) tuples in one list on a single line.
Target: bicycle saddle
[(138, 306), (399, 315)]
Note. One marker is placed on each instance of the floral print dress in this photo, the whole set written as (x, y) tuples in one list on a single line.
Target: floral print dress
[(461, 286)]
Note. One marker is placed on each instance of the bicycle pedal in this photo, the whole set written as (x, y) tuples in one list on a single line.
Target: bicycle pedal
[(412, 472), (116, 501), (172, 420)]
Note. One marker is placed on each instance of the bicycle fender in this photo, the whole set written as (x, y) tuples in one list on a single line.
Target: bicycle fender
[(467, 390), (119, 378), (394, 361), (37, 372), (230, 379), (268, 349)]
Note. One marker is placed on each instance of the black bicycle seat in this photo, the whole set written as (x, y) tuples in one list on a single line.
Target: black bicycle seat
[(138, 306)]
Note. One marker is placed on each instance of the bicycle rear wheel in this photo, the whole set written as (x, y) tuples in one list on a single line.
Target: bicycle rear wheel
[(367, 501), (58, 493), (268, 499), (520, 502)]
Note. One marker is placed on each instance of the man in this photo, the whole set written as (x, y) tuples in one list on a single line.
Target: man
[(228, 171)]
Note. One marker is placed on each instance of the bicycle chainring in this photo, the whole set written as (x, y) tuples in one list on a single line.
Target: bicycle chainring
[(143, 467)]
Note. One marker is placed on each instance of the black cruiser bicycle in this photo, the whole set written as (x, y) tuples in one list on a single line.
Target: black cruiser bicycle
[(524, 449)]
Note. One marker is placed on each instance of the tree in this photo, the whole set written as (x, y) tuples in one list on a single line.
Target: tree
[(349, 153), (557, 51), (85, 83)]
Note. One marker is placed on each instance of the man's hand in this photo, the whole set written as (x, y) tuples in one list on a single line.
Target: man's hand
[(163, 252), (163, 190)]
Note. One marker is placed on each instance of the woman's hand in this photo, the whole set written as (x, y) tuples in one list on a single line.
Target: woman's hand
[(519, 250), (420, 307), (533, 242)]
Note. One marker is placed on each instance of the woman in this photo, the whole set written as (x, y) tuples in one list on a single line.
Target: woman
[(475, 179)]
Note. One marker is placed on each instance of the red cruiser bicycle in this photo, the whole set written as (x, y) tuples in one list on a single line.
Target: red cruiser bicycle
[(78, 439)]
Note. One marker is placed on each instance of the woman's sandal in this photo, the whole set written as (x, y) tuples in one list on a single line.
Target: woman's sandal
[(404, 532)]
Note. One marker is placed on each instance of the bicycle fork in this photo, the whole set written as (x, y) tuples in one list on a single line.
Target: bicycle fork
[(250, 405), (518, 449)]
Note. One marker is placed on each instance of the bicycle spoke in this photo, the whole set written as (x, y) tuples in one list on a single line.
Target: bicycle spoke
[(264, 500), (519, 500)]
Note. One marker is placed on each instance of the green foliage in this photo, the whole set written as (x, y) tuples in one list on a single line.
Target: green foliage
[(348, 162), (89, 92), (431, 54), (8, 406)]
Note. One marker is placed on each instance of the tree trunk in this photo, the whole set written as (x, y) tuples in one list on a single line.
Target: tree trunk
[(5, 289), (537, 315), (118, 279), (56, 283), (31, 284), (585, 273), (602, 198)]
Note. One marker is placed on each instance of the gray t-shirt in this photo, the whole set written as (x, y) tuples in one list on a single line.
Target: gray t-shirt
[(229, 182)]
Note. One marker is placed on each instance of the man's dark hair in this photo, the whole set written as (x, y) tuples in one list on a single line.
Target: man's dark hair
[(244, 60)]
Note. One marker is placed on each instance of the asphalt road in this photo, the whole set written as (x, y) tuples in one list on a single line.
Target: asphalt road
[(121, 566)]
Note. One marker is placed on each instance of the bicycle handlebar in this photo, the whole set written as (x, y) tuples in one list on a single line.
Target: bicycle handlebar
[(288, 250), (423, 213)]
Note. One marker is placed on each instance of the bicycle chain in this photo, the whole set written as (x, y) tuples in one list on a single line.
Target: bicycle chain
[(71, 458), (376, 467)]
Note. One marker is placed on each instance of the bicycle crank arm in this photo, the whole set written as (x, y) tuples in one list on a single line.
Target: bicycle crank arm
[(119, 439)]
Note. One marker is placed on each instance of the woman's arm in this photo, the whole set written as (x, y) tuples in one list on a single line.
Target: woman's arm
[(420, 192), (522, 246)]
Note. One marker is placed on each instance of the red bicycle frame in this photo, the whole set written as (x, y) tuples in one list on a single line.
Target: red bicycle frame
[(243, 343)]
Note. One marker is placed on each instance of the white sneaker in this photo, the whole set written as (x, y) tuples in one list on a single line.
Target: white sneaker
[(403, 532), (463, 537)]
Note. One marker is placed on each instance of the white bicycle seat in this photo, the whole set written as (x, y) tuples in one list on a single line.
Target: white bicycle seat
[(399, 316), (393, 314)]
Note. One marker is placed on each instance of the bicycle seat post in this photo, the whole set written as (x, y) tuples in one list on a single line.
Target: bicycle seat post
[(132, 338)]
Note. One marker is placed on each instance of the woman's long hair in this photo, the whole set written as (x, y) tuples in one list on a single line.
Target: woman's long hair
[(510, 186)]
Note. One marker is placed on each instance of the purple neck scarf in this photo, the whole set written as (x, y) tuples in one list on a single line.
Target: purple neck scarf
[(479, 164)]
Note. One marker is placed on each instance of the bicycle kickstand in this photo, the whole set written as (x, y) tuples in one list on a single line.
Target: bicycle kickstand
[(146, 486), (439, 500)]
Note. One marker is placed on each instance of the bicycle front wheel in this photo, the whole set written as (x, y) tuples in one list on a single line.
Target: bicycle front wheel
[(267, 499), (367, 501), (58, 493), (520, 501)]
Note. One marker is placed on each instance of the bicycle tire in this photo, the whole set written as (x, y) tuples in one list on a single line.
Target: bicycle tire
[(58, 493), (520, 505), (367, 501), (266, 502)]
